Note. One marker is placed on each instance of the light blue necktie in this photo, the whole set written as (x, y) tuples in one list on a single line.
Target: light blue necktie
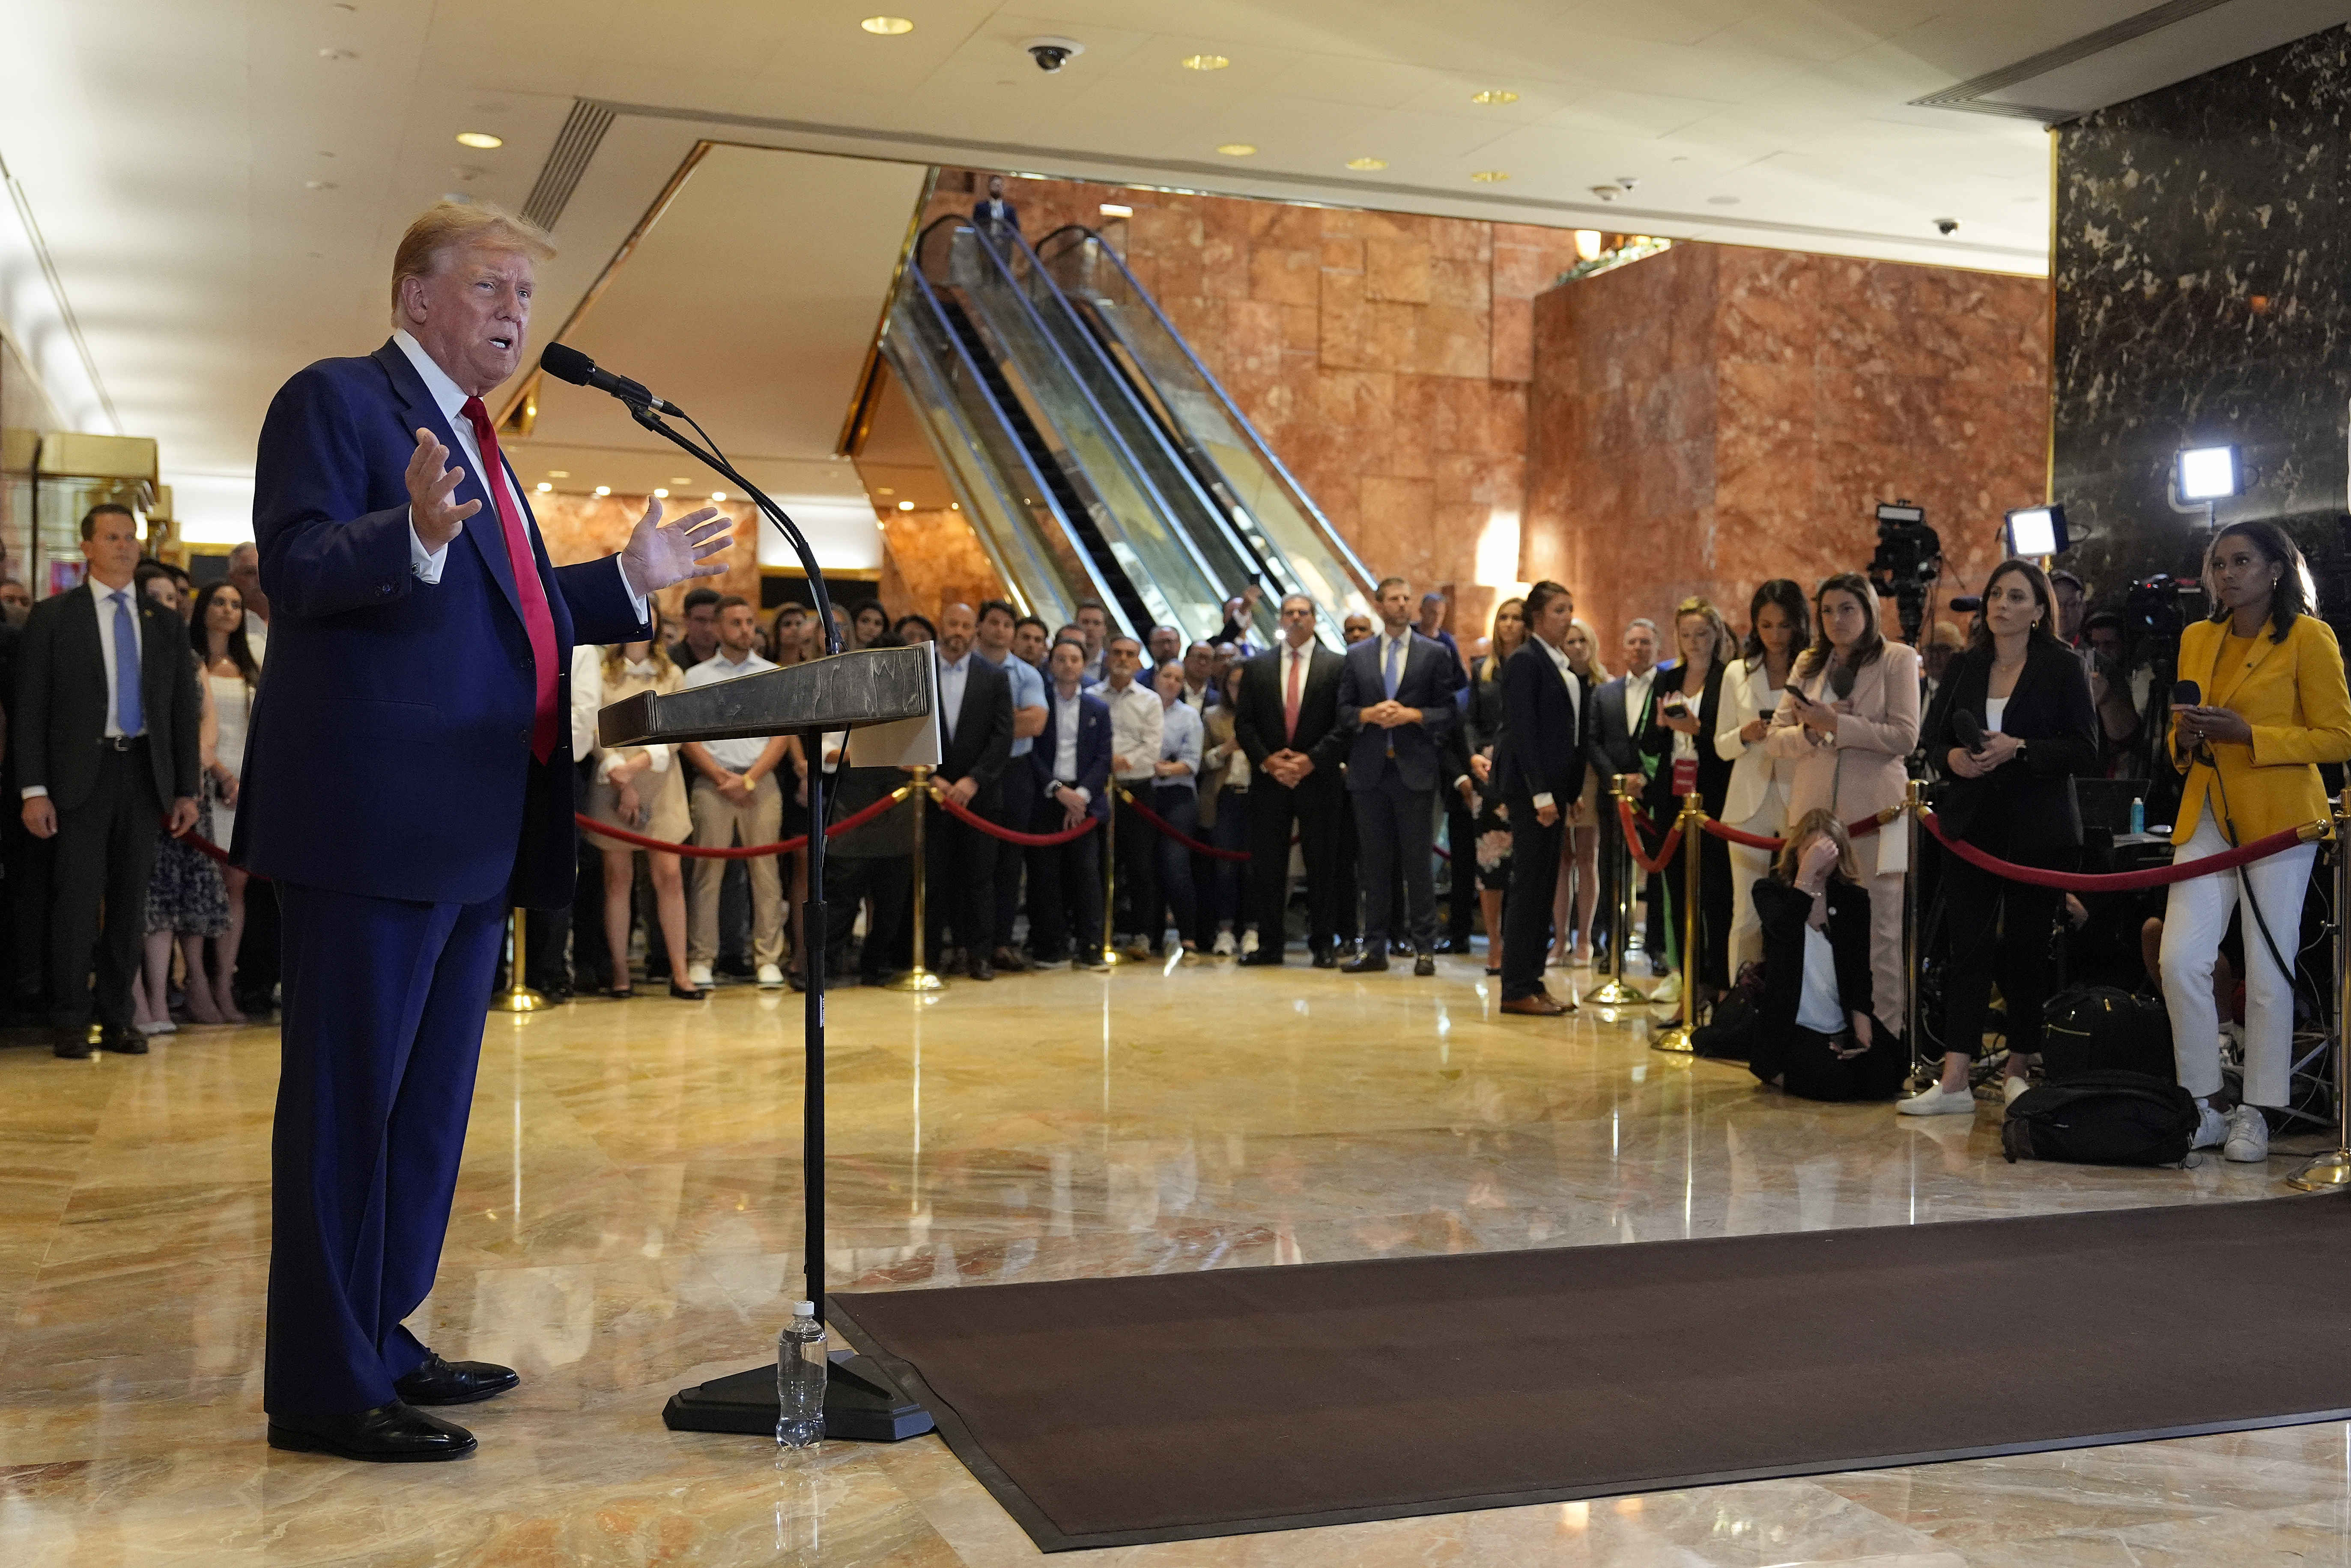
[(1395, 663), (127, 708)]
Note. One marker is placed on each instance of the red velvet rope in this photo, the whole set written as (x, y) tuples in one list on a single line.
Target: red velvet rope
[(741, 851), (1757, 841), (1181, 836), (2125, 881), (963, 814), (1633, 841), (212, 852)]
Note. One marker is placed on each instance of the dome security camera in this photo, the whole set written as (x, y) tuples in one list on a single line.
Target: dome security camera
[(1051, 54), (1946, 226)]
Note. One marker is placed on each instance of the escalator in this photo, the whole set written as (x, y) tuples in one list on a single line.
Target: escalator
[(1095, 456)]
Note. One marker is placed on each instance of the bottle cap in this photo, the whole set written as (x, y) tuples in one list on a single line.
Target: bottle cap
[(803, 1308)]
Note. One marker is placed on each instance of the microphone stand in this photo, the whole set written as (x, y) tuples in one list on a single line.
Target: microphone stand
[(860, 1401)]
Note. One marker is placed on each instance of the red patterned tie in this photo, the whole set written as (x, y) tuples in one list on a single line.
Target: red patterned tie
[(536, 622)]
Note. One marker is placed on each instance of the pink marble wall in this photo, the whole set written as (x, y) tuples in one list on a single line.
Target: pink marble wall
[(1716, 416)]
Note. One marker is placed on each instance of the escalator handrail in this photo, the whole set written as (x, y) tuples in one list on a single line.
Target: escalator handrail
[(1297, 495), (1139, 475), (1043, 491)]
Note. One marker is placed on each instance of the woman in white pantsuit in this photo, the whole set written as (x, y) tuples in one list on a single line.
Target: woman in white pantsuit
[(1779, 623)]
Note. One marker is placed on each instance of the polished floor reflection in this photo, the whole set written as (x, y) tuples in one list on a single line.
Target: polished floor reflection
[(629, 1222)]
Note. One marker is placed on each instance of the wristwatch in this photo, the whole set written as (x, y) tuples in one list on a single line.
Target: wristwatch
[(2020, 750)]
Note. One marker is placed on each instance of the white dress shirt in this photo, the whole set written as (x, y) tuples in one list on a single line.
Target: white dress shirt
[(1574, 700), (450, 399), (953, 678), (1136, 724), (103, 598), (1068, 714), (742, 751)]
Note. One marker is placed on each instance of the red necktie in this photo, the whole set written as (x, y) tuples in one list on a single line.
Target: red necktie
[(1289, 698), (536, 622)]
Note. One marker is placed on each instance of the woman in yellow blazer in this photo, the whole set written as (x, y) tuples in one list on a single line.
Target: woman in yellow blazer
[(2274, 706)]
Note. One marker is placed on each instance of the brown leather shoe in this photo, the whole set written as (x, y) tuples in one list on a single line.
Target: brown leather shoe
[(1536, 1006)]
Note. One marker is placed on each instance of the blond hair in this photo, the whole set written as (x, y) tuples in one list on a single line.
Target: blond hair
[(446, 227), (1820, 821), (1592, 640)]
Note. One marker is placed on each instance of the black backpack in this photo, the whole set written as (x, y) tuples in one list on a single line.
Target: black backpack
[(2102, 1119), (2099, 1028)]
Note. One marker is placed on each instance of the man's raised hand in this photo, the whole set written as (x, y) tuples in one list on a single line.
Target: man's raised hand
[(430, 482), (657, 557)]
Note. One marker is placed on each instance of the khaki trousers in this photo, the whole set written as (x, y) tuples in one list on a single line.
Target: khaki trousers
[(720, 823)]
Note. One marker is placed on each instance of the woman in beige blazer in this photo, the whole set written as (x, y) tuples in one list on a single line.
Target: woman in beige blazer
[(1778, 629), (1849, 720)]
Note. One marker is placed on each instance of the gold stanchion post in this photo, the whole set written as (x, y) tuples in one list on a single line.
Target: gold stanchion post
[(919, 978), (1613, 991), (1111, 955), (1678, 1039), (2330, 1170), (518, 997)]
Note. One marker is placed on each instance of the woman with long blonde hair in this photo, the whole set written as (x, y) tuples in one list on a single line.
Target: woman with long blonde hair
[(1480, 729), (1683, 707), (1816, 1032), (1578, 893), (641, 788)]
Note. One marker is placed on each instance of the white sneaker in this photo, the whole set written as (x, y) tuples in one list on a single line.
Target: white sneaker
[(1249, 943), (1669, 991), (2248, 1141), (2211, 1127), (698, 976), (2012, 1088), (1940, 1102), (771, 977), (159, 1026), (1224, 947)]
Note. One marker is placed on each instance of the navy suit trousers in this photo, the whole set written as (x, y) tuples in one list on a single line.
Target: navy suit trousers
[(1392, 824), (384, 1004)]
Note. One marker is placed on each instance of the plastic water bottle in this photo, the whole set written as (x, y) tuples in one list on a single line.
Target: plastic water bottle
[(2138, 814), (801, 1369)]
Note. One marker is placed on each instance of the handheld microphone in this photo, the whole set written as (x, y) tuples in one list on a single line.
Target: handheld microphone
[(1967, 603), (2186, 693), (566, 363), (1970, 729)]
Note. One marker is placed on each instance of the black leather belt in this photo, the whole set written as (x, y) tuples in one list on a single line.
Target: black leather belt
[(120, 742)]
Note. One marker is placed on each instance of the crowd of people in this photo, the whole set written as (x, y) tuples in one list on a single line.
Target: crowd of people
[(1263, 795)]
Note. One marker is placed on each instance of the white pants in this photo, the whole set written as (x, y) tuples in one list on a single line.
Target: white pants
[(1748, 866), (2194, 921)]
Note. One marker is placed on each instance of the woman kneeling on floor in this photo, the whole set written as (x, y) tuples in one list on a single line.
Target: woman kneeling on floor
[(1815, 1034)]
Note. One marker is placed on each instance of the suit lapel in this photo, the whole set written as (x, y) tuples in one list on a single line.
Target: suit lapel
[(2225, 682), (422, 412)]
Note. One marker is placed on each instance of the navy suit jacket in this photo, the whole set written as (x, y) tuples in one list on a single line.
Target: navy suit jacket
[(1427, 683), (389, 750), (1094, 750), (1542, 744)]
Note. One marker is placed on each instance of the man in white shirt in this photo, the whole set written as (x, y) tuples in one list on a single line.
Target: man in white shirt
[(1136, 727), (735, 799), (1620, 713)]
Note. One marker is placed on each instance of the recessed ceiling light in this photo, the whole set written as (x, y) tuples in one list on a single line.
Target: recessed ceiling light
[(1494, 95), (883, 490), (1238, 149), (717, 494), (1367, 163), (681, 482), (1205, 62), (603, 490), (480, 138), (558, 473), (661, 495), (906, 505), (544, 487), (1491, 176), (1722, 200), (1113, 210), (888, 27)]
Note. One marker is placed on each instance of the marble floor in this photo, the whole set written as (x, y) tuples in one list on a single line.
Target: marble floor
[(629, 1218)]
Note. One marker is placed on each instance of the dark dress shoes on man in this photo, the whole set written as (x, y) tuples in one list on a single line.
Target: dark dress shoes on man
[(1011, 962), (391, 1433), (123, 1040), (1541, 1005), (439, 1382), (73, 1045), (1326, 958), (1372, 962), (1424, 963), (1266, 958), (979, 968)]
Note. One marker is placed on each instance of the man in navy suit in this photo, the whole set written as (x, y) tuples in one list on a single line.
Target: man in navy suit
[(1069, 766), (1395, 697), (408, 778), (975, 734), (1539, 765)]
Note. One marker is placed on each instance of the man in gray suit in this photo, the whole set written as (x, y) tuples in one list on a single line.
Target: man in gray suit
[(1621, 712)]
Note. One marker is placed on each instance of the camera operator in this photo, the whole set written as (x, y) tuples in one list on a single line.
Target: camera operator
[(2010, 728), (2116, 691), (2273, 707)]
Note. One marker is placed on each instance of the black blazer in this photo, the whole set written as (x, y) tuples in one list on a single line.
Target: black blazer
[(1427, 681), (2020, 805), (1541, 749), (983, 731), (60, 716), (1656, 740), (1481, 723), (1784, 912), (1257, 719)]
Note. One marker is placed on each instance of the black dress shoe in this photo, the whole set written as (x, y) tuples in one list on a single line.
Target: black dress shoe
[(979, 968), (1372, 963), (1348, 952), (1454, 945), (439, 1382), (1011, 962), (123, 1040), (1264, 958), (1424, 964), (73, 1045), (387, 1435)]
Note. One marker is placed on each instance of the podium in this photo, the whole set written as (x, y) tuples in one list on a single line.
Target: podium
[(891, 695)]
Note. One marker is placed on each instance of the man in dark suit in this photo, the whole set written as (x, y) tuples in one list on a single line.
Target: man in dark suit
[(408, 778), (1069, 767), (1396, 699), (993, 212), (1539, 764), (105, 730), (976, 742), (1621, 712), (1288, 723)]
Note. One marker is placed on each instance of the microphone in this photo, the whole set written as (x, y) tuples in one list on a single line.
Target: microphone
[(566, 363), (2186, 693), (1971, 729), (1967, 603)]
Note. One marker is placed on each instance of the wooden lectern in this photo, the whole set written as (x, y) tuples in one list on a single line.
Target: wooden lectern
[(892, 695)]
